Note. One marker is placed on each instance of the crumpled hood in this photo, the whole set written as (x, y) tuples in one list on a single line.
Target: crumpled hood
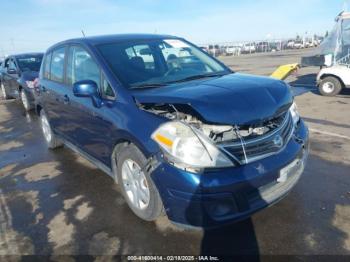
[(230, 99)]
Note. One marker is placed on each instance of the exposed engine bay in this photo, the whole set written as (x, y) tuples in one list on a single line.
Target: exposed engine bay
[(217, 133)]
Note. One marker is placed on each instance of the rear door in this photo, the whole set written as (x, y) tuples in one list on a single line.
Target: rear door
[(54, 91)]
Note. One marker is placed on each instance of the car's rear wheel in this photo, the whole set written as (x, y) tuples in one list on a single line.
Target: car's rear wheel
[(25, 101), (3, 92), (137, 186), (51, 139), (330, 86)]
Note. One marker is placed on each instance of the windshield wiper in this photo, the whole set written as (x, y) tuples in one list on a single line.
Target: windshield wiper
[(153, 85), (148, 85), (195, 77)]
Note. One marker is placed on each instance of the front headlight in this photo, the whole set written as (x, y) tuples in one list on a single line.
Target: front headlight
[(188, 147), (294, 113)]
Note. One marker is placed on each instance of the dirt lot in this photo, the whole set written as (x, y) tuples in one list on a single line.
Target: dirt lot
[(55, 202)]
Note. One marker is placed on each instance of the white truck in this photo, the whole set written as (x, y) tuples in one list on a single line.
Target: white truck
[(331, 80), (248, 48)]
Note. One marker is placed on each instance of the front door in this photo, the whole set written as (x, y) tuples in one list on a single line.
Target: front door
[(89, 124)]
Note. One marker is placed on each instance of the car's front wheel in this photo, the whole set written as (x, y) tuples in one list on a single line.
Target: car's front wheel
[(51, 139), (3, 92), (137, 186), (25, 101), (330, 86)]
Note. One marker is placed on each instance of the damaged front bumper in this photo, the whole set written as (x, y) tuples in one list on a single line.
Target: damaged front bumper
[(219, 196)]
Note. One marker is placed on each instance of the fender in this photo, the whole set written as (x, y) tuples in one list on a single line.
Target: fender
[(340, 72)]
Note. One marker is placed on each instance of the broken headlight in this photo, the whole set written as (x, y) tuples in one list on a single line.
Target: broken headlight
[(294, 113), (188, 147)]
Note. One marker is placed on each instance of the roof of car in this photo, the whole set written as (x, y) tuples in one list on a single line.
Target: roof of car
[(95, 40)]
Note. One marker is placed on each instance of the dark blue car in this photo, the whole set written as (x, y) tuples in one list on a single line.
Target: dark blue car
[(180, 132), (18, 75)]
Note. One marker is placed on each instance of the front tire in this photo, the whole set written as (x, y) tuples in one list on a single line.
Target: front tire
[(330, 86), (51, 139), (3, 92), (137, 186)]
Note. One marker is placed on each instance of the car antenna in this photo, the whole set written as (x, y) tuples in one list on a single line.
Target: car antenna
[(82, 31)]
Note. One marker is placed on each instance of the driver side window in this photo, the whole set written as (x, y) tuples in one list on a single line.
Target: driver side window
[(81, 66)]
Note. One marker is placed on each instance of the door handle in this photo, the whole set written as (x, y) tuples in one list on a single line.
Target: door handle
[(65, 99)]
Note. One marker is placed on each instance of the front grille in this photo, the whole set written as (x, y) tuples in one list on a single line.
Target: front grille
[(249, 150)]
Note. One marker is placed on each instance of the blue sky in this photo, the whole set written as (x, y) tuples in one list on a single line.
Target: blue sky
[(34, 25)]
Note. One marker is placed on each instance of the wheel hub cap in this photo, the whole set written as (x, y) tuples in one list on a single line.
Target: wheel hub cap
[(328, 87), (135, 184)]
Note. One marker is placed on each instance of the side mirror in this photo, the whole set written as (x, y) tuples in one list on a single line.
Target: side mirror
[(11, 71), (85, 88), (88, 88)]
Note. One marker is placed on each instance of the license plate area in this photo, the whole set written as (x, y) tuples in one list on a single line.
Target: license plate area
[(289, 170)]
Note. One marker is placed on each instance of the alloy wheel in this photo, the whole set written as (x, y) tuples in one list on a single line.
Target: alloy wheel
[(135, 184)]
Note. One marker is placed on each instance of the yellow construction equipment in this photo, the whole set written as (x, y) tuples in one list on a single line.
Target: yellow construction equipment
[(283, 71)]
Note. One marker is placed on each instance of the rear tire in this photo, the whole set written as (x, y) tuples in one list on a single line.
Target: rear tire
[(330, 86), (3, 92), (51, 139), (137, 185)]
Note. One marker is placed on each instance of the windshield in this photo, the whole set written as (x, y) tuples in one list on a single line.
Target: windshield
[(29, 62), (158, 62)]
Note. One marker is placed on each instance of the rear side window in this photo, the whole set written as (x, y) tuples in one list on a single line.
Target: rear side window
[(57, 65), (81, 66), (47, 66)]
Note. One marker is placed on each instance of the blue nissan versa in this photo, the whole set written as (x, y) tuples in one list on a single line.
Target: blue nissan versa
[(179, 131)]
